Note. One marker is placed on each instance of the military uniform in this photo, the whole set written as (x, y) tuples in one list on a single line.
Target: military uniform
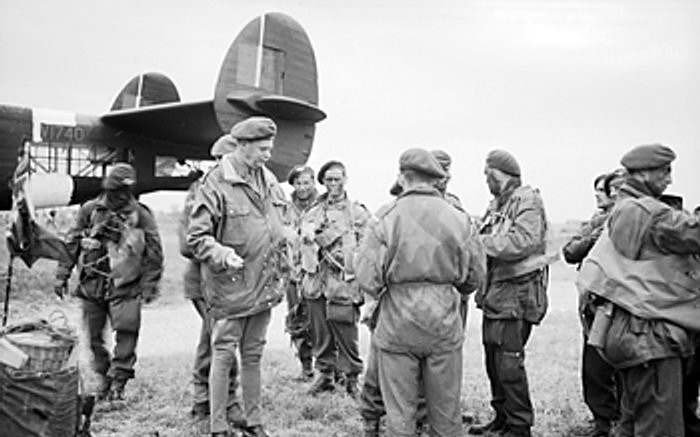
[(297, 321), (513, 234), (600, 387), (193, 290), (330, 232), (643, 266), (370, 401), (417, 260), (239, 212), (120, 262)]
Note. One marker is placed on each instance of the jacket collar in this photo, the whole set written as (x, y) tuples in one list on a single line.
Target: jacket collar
[(422, 189), (304, 205), (231, 172), (101, 203), (635, 188)]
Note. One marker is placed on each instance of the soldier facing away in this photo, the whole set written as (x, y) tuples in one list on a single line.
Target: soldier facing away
[(116, 244), (416, 260)]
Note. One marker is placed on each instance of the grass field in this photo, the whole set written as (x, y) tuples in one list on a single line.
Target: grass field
[(159, 398)]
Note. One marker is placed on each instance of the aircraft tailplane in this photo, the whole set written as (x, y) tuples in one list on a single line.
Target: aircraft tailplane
[(146, 89)]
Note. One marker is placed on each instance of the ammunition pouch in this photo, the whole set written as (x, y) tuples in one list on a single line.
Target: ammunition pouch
[(342, 312)]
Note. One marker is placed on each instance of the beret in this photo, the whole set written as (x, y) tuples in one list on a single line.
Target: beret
[(254, 128), (298, 170), (324, 168), (119, 176), (647, 156), (504, 161), (224, 145), (443, 158), (421, 161)]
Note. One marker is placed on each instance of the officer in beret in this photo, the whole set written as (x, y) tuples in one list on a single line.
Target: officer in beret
[(116, 244), (641, 269), (417, 260), (303, 197), (193, 290), (514, 298), (330, 232), (237, 233)]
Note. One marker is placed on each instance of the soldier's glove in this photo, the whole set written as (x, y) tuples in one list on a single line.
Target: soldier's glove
[(60, 288)]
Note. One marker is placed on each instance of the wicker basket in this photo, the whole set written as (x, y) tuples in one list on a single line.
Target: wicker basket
[(48, 347)]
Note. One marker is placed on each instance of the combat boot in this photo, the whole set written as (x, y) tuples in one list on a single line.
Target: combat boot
[(517, 431), (103, 387), (496, 426), (200, 410), (351, 386), (254, 431), (324, 382), (370, 428), (116, 392), (307, 372)]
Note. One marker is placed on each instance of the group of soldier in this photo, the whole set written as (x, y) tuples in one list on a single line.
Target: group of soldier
[(412, 265)]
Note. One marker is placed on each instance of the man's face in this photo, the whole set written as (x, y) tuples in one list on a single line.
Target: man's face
[(601, 199), (334, 181), (256, 153), (658, 179), (492, 181), (304, 185)]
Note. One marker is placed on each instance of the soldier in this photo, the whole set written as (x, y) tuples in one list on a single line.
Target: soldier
[(120, 261), (445, 161), (371, 405), (416, 261), (297, 321), (194, 292), (236, 231), (514, 298), (597, 375), (644, 269), (330, 232)]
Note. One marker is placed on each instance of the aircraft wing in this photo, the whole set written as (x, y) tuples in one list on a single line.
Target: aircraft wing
[(192, 124)]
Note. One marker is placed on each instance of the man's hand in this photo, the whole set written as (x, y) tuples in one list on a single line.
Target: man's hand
[(233, 261), (88, 243), (60, 288)]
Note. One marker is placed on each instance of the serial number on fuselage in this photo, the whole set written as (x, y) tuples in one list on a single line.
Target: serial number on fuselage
[(54, 133)]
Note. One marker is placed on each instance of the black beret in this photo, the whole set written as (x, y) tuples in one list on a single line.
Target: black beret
[(504, 161), (324, 168), (119, 176), (647, 156), (224, 145), (443, 158), (254, 128), (297, 170), (421, 161)]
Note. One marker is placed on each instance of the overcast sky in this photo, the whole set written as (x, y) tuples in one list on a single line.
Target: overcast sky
[(566, 86)]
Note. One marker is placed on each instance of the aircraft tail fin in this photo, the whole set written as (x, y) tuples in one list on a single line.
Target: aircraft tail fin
[(146, 90), (270, 69)]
